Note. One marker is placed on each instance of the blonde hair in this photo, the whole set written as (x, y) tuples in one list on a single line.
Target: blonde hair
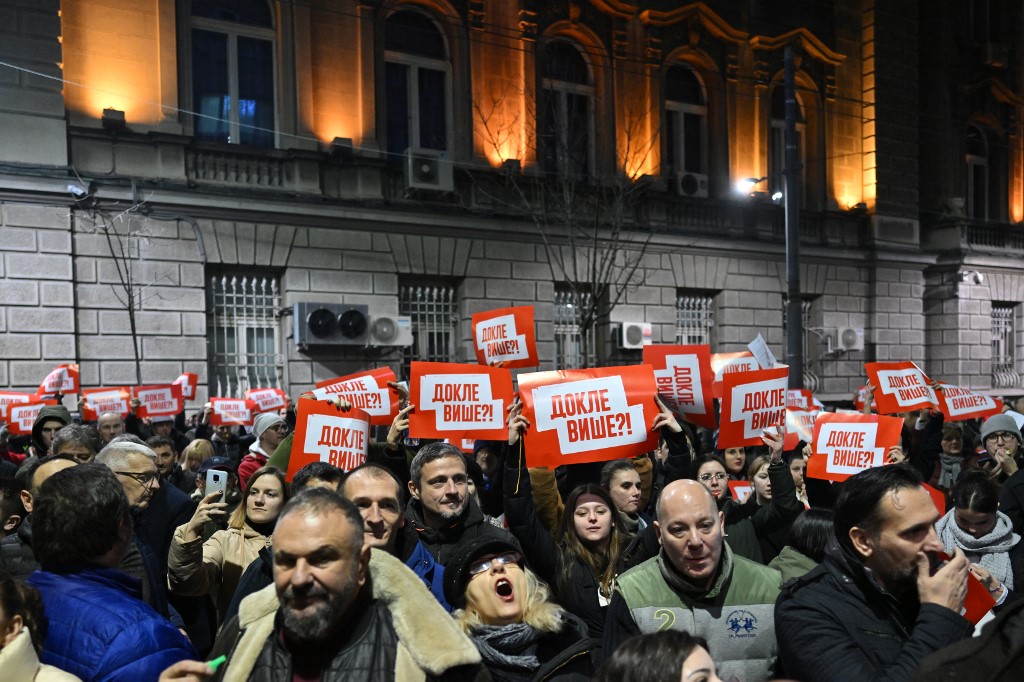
[(200, 449), (758, 463), (539, 611)]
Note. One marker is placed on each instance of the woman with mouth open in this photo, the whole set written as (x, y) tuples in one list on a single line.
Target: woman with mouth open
[(505, 609)]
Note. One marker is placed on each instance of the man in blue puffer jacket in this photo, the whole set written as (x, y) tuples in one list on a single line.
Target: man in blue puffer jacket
[(99, 627)]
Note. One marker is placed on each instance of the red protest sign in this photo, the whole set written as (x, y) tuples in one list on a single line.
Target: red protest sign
[(232, 412), (900, 387), (978, 601), (799, 427), (62, 379), (267, 399), (366, 391), (588, 415), (464, 400), (846, 444), (506, 335), (100, 400), (8, 398), (683, 375), (325, 434), (188, 382), (938, 498), (958, 404), (730, 363), (861, 397), (21, 416), (800, 399), (751, 402), (158, 401), (741, 490)]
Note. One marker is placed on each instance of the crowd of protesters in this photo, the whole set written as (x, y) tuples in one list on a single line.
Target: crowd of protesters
[(141, 549)]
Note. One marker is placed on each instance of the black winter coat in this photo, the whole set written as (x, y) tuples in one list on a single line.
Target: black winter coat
[(564, 655), (834, 624), (1011, 500)]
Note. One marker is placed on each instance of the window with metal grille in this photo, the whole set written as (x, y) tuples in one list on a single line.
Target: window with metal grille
[(433, 309), (1004, 342), (243, 333), (571, 351), (695, 318), (811, 380)]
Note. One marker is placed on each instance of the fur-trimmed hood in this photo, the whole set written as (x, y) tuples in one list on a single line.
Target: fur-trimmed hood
[(430, 642)]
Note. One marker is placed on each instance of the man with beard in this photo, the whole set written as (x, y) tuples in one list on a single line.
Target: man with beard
[(337, 610), (876, 605), (441, 516)]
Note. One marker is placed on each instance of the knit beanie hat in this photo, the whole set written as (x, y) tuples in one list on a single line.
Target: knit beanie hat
[(265, 421), (998, 423)]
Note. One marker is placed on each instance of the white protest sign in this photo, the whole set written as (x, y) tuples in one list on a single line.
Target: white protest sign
[(849, 448), (499, 340), (337, 440), (589, 414), (461, 402), (762, 353), (363, 392)]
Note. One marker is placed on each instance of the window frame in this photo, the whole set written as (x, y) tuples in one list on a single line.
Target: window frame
[(975, 164), (558, 90), (680, 108), (233, 31), (684, 335)]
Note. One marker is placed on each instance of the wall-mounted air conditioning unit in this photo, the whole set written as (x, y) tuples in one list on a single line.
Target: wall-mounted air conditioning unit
[(634, 335), (849, 339), (330, 324), (692, 185), (390, 330), (428, 169)]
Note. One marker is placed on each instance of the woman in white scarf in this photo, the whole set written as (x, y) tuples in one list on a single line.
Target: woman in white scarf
[(977, 527)]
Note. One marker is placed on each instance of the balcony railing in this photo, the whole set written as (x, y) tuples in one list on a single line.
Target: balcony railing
[(966, 235)]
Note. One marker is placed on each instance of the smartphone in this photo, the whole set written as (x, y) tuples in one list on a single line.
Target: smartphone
[(216, 481)]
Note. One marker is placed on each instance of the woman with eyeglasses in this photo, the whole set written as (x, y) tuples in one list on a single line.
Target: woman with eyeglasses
[(507, 611), (197, 568)]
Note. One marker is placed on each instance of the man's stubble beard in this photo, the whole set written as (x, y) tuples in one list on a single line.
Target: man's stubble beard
[(321, 624)]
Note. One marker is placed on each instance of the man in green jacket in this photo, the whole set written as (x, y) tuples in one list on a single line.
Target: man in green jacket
[(696, 584)]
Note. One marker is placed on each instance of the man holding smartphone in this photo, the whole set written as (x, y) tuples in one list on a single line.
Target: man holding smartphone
[(1002, 440)]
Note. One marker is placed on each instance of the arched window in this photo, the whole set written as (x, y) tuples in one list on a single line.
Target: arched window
[(685, 131), (233, 71), (416, 83), (977, 173), (777, 144), (566, 111)]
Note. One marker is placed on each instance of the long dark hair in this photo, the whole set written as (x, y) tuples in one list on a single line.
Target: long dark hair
[(976, 492), (811, 532), (652, 657), (604, 565), (21, 599)]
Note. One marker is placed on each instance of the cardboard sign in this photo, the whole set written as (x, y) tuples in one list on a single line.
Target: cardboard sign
[(100, 400), (978, 601), (900, 387), (752, 402), (799, 427), (506, 335), (762, 353), (468, 401), (730, 363), (683, 375), (8, 398), (232, 412), (741, 490), (800, 399), (158, 401), (63, 380), (846, 444), (958, 404), (367, 391), (267, 399), (325, 434), (21, 416), (188, 382), (589, 415), (861, 397)]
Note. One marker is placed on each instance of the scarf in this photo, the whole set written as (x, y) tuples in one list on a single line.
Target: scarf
[(949, 470), (632, 522), (994, 547), (509, 651)]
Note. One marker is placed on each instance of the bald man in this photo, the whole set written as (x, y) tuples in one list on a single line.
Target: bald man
[(696, 584)]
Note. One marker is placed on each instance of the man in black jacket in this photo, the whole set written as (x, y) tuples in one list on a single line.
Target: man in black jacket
[(874, 608)]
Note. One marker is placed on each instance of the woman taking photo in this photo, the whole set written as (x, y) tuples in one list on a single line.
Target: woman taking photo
[(505, 609), (197, 568)]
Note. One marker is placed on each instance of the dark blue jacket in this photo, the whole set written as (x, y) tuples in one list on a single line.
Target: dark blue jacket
[(99, 628)]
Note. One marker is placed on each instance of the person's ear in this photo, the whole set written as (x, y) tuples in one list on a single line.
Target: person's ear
[(13, 629), (414, 491), (26, 500), (657, 531), (364, 564), (863, 542), (11, 523)]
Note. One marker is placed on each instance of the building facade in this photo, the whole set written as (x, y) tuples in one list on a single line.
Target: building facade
[(214, 163)]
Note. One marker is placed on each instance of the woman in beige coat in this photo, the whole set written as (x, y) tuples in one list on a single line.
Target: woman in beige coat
[(22, 624), (196, 568)]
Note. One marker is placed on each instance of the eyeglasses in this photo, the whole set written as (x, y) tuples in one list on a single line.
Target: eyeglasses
[(704, 478), (478, 567), (280, 427), (145, 479), (1002, 435)]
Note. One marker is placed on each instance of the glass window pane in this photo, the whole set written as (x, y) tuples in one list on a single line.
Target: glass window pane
[(256, 91), (692, 134), (671, 141), (578, 128), (548, 124), (251, 12), (396, 97), (432, 99), (682, 85), (413, 33), (563, 62), (210, 85)]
